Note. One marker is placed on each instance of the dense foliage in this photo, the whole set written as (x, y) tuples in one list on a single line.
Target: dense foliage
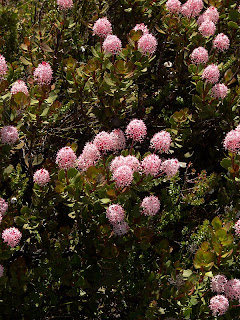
[(119, 159)]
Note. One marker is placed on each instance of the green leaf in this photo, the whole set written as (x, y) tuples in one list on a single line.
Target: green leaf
[(105, 200), (216, 223), (199, 86), (226, 163), (233, 24), (187, 273)]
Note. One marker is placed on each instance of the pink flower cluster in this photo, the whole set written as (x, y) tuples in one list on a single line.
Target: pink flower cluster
[(192, 8), (161, 141), (120, 228), (147, 44), (19, 86), (136, 130), (218, 283), (206, 22), (151, 165), (118, 140), (150, 205), (130, 161), (116, 214), (142, 27), (12, 236), (112, 44), (237, 228), (41, 177), (219, 91), (65, 4), (89, 157), (221, 42), (102, 27), (174, 6), (103, 141), (211, 73), (199, 55), (207, 28), (3, 67), (232, 141), (3, 206), (66, 158), (9, 135), (170, 167), (43, 74), (123, 176), (219, 305)]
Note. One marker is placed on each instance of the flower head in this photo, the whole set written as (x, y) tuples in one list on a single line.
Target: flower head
[(65, 4), (219, 91), (102, 27), (219, 305), (9, 135), (170, 167), (43, 74), (120, 228), (192, 8), (151, 164), (123, 176), (212, 14), (237, 228), (19, 86), (211, 73), (89, 157), (218, 283), (112, 44), (115, 213), (221, 42), (232, 289), (41, 177), (3, 67), (232, 141), (207, 28), (199, 55), (174, 6), (3, 206), (150, 205), (66, 158), (136, 130), (104, 141), (161, 141), (133, 163), (118, 140), (142, 27), (147, 44), (12, 236)]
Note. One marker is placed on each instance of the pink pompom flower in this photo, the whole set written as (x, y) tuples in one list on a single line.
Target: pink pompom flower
[(133, 163), (207, 28), (41, 177), (66, 158), (192, 8), (3, 206), (43, 74), (118, 140), (237, 228), (120, 228), (221, 42), (232, 289), (142, 27), (102, 27), (150, 206), (211, 73), (89, 157), (174, 6), (170, 167), (212, 14), (9, 135), (219, 305), (136, 130), (199, 55), (12, 236), (219, 91), (123, 176), (112, 44), (117, 162), (3, 67), (151, 165), (147, 44), (104, 141), (115, 213), (65, 4), (1, 270), (232, 141), (19, 86), (161, 141), (218, 283)]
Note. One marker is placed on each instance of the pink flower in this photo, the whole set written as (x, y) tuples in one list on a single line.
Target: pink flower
[(219, 305), (237, 228), (218, 283), (120, 228), (123, 176), (150, 205), (211, 73), (221, 42), (64, 4), (115, 213), (141, 27), (136, 130), (41, 177), (112, 44), (219, 91), (9, 135), (212, 14), (66, 158), (170, 167), (43, 74), (3, 206), (117, 162), (147, 44), (207, 28), (133, 163), (3, 67), (12, 236), (19, 86), (192, 8), (118, 139), (199, 55), (161, 141), (103, 141), (232, 141), (232, 289), (1, 270), (200, 19), (151, 164), (89, 157), (102, 27), (174, 6)]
